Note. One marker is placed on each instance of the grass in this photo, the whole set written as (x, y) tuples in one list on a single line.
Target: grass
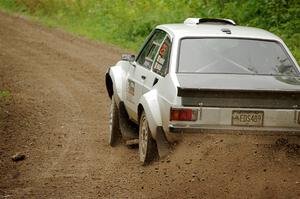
[(127, 23), (4, 94)]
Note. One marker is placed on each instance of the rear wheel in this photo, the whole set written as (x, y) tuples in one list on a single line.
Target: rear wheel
[(147, 145), (114, 128)]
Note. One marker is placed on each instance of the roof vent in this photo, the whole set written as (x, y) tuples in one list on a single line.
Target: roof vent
[(209, 20)]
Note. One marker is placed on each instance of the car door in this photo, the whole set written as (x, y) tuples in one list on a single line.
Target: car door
[(160, 67), (137, 74)]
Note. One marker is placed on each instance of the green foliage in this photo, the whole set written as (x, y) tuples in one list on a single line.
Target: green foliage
[(127, 23), (4, 94)]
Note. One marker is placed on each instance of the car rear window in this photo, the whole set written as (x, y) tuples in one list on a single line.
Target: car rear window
[(234, 56)]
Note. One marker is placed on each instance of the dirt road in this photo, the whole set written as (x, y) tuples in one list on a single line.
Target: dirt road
[(58, 117)]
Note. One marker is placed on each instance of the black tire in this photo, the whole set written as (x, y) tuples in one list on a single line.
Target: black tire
[(114, 127), (147, 145)]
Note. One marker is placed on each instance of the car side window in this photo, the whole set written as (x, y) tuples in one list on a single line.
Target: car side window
[(147, 55), (161, 65)]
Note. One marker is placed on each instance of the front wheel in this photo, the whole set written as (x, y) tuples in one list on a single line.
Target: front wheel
[(114, 128), (147, 145)]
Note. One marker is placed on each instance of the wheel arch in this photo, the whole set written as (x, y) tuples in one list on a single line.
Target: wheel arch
[(109, 85), (149, 103), (114, 82)]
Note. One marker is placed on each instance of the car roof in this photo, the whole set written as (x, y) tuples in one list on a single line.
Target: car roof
[(216, 30)]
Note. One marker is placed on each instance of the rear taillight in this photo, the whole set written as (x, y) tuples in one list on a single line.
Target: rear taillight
[(182, 114)]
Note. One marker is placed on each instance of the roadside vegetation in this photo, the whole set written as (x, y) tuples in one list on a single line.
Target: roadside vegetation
[(127, 23), (4, 94), (5, 98)]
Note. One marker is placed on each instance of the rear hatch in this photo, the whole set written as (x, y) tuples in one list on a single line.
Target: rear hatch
[(243, 91)]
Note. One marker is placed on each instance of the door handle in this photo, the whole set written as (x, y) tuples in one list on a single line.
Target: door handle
[(143, 77)]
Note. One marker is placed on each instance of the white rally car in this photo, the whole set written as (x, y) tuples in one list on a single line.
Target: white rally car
[(202, 74)]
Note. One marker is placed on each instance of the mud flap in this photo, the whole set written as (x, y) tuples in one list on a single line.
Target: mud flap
[(128, 129), (163, 145)]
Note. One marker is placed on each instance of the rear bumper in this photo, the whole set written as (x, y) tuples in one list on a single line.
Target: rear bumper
[(220, 120), (232, 129)]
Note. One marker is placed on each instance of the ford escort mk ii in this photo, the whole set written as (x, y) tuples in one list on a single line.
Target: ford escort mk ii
[(202, 74)]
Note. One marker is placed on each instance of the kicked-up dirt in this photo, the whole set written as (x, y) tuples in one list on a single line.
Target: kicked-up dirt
[(57, 116)]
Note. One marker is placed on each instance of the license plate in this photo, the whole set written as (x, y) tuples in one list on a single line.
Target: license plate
[(247, 118)]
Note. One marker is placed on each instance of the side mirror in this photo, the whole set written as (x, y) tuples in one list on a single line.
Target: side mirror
[(129, 58)]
